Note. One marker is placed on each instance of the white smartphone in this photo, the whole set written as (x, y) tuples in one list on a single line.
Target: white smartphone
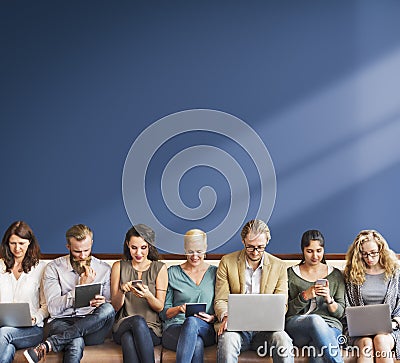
[(321, 282)]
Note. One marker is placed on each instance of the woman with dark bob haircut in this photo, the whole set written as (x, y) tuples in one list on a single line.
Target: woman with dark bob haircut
[(20, 277), (316, 301), (138, 288)]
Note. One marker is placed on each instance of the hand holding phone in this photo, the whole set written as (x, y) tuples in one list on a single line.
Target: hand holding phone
[(321, 282), (321, 287), (136, 282)]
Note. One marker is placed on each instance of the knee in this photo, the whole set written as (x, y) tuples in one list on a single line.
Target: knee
[(281, 339), (381, 342), (366, 346), (365, 342), (4, 336), (315, 319), (138, 320), (77, 344), (228, 341), (315, 322), (190, 322), (106, 311), (138, 324)]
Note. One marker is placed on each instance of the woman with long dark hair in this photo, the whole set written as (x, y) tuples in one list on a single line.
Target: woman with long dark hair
[(316, 302), (138, 287), (20, 281)]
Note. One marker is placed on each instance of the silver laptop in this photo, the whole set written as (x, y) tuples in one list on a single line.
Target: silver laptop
[(368, 320), (256, 312), (15, 315)]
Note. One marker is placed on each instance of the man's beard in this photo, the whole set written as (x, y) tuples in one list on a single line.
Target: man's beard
[(78, 265)]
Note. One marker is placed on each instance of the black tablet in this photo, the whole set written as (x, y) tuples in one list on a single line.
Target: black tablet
[(195, 308), (85, 293)]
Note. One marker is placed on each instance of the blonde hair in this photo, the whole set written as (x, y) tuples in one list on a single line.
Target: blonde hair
[(256, 227), (194, 235), (79, 232), (354, 272)]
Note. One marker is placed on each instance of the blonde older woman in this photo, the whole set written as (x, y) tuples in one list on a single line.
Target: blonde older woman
[(372, 276), (191, 282)]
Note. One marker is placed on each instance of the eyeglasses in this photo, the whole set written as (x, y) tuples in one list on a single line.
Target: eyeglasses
[(192, 253), (254, 248), (370, 254)]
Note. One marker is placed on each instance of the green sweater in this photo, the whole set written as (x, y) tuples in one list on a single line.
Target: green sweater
[(297, 306)]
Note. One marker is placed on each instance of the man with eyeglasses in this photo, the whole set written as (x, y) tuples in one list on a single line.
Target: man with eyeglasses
[(250, 271)]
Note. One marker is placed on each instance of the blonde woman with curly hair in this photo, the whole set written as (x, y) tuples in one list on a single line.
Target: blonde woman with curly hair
[(372, 276)]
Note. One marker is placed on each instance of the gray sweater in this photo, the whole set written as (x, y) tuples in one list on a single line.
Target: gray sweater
[(298, 306), (354, 297)]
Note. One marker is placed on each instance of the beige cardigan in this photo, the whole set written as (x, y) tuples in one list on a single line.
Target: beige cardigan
[(231, 279)]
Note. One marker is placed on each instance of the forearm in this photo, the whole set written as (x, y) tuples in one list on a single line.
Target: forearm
[(155, 304), (174, 311), (118, 299)]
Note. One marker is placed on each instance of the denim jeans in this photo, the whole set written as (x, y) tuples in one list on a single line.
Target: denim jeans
[(12, 339), (71, 334), (137, 340), (189, 339), (278, 344), (313, 332)]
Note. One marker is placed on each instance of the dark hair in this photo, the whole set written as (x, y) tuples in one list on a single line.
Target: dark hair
[(22, 230), (307, 237), (132, 232)]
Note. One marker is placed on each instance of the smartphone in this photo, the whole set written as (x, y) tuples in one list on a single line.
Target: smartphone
[(321, 282), (136, 282)]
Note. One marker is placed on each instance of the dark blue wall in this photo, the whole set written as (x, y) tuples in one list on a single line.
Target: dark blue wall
[(319, 81)]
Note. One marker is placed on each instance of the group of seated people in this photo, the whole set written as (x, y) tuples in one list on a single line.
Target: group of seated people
[(143, 303)]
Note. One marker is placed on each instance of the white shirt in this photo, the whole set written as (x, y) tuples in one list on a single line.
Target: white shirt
[(26, 289), (253, 277)]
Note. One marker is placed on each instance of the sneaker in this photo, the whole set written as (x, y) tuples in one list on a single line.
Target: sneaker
[(36, 354)]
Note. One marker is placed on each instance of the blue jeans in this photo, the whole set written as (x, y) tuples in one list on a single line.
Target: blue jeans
[(189, 339), (12, 339), (278, 344), (313, 332), (137, 340), (71, 334)]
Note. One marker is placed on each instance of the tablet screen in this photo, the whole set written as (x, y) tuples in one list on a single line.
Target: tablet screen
[(85, 293), (195, 308)]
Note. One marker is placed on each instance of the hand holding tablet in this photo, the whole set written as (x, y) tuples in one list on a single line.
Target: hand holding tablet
[(194, 308), (85, 293)]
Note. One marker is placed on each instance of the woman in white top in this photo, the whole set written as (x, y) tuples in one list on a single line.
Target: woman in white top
[(20, 281)]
